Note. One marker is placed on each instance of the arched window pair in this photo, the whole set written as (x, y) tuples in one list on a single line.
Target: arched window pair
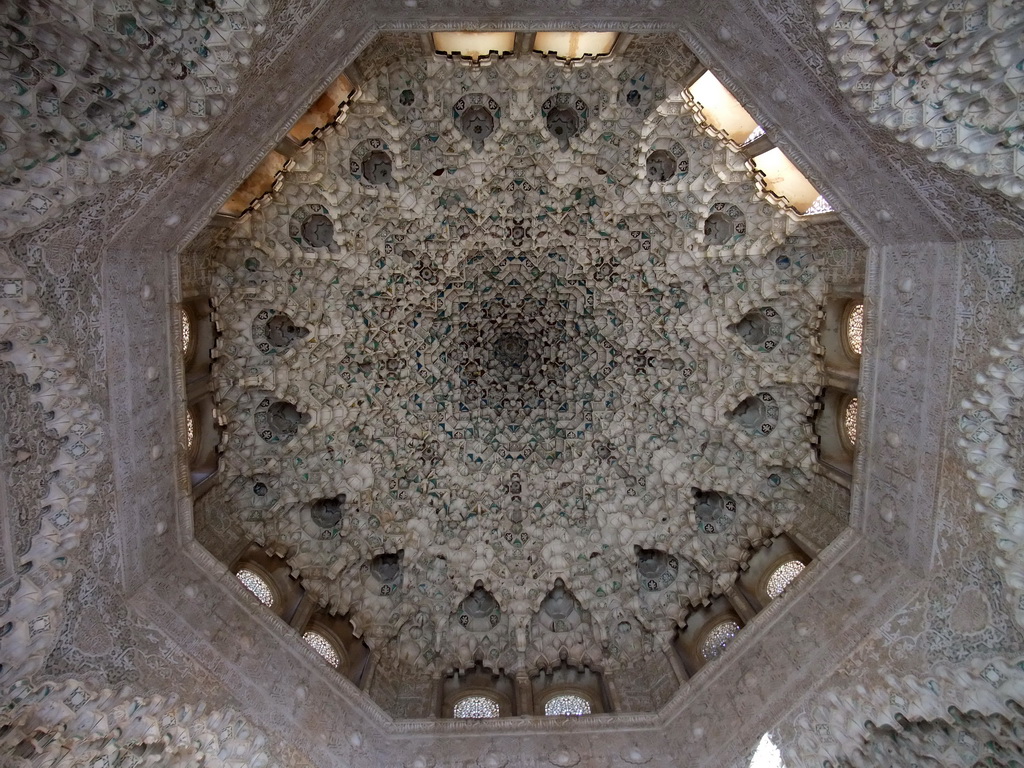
[(479, 707), (196, 339), (842, 338), (853, 343), (266, 589)]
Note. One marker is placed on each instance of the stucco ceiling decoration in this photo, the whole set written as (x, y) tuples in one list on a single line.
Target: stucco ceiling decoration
[(513, 355), (95, 91), (948, 79)]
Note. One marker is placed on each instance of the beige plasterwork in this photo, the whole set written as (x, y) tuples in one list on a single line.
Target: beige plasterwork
[(134, 230)]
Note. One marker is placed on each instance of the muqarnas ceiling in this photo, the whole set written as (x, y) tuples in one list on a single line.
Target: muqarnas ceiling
[(517, 367)]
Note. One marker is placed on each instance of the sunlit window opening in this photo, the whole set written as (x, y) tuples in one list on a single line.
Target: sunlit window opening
[(850, 420), (721, 110), (855, 329), (783, 577), (190, 430), (321, 645), (821, 205), (782, 179), (757, 133), (767, 755), (260, 182), (567, 704), (718, 639), (324, 111), (474, 45), (571, 46), (255, 584), (476, 708), (186, 333)]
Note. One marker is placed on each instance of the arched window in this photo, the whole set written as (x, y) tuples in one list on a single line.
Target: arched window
[(323, 646), (853, 328), (257, 585), (782, 577), (188, 336), (717, 639), (190, 432), (849, 422), (567, 704), (476, 707)]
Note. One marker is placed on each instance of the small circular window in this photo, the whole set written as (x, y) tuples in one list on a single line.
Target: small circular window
[(849, 422), (567, 704), (718, 639), (853, 328), (257, 585), (782, 577), (476, 708), (323, 646)]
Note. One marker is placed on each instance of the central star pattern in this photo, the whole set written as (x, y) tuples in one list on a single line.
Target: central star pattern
[(514, 361)]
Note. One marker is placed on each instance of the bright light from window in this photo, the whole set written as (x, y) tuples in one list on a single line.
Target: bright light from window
[(570, 46), (476, 708), (855, 329), (323, 646), (186, 333), (255, 584), (821, 205), (767, 755), (190, 430), (757, 133), (718, 639), (721, 110), (782, 179), (783, 577), (260, 182), (474, 45), (324, 110), (850, 421), (567, 704)]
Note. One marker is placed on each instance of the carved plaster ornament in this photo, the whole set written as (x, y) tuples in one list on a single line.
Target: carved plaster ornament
[(281, 331), (327, 513), (521, 382), (318, 231), (661, 165)]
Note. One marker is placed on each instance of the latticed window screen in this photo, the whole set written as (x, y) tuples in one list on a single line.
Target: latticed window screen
[(820, 205), (567, 704), (190, 430), (855, 329), (782, 577), (476, 708), (256, 584), (323, 646), (186, 333), (718, 639), (850, 421)]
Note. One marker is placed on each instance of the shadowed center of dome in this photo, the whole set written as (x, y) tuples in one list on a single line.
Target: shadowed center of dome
[(511, 349)]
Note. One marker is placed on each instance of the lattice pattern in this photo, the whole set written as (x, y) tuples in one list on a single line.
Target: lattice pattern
[(190, 430), (322, 645), (718, 639), (186, 333), (855, 329), (567, 704), (476, 708), (850, 421), (255, 584), (820, 205), (782, 577)]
